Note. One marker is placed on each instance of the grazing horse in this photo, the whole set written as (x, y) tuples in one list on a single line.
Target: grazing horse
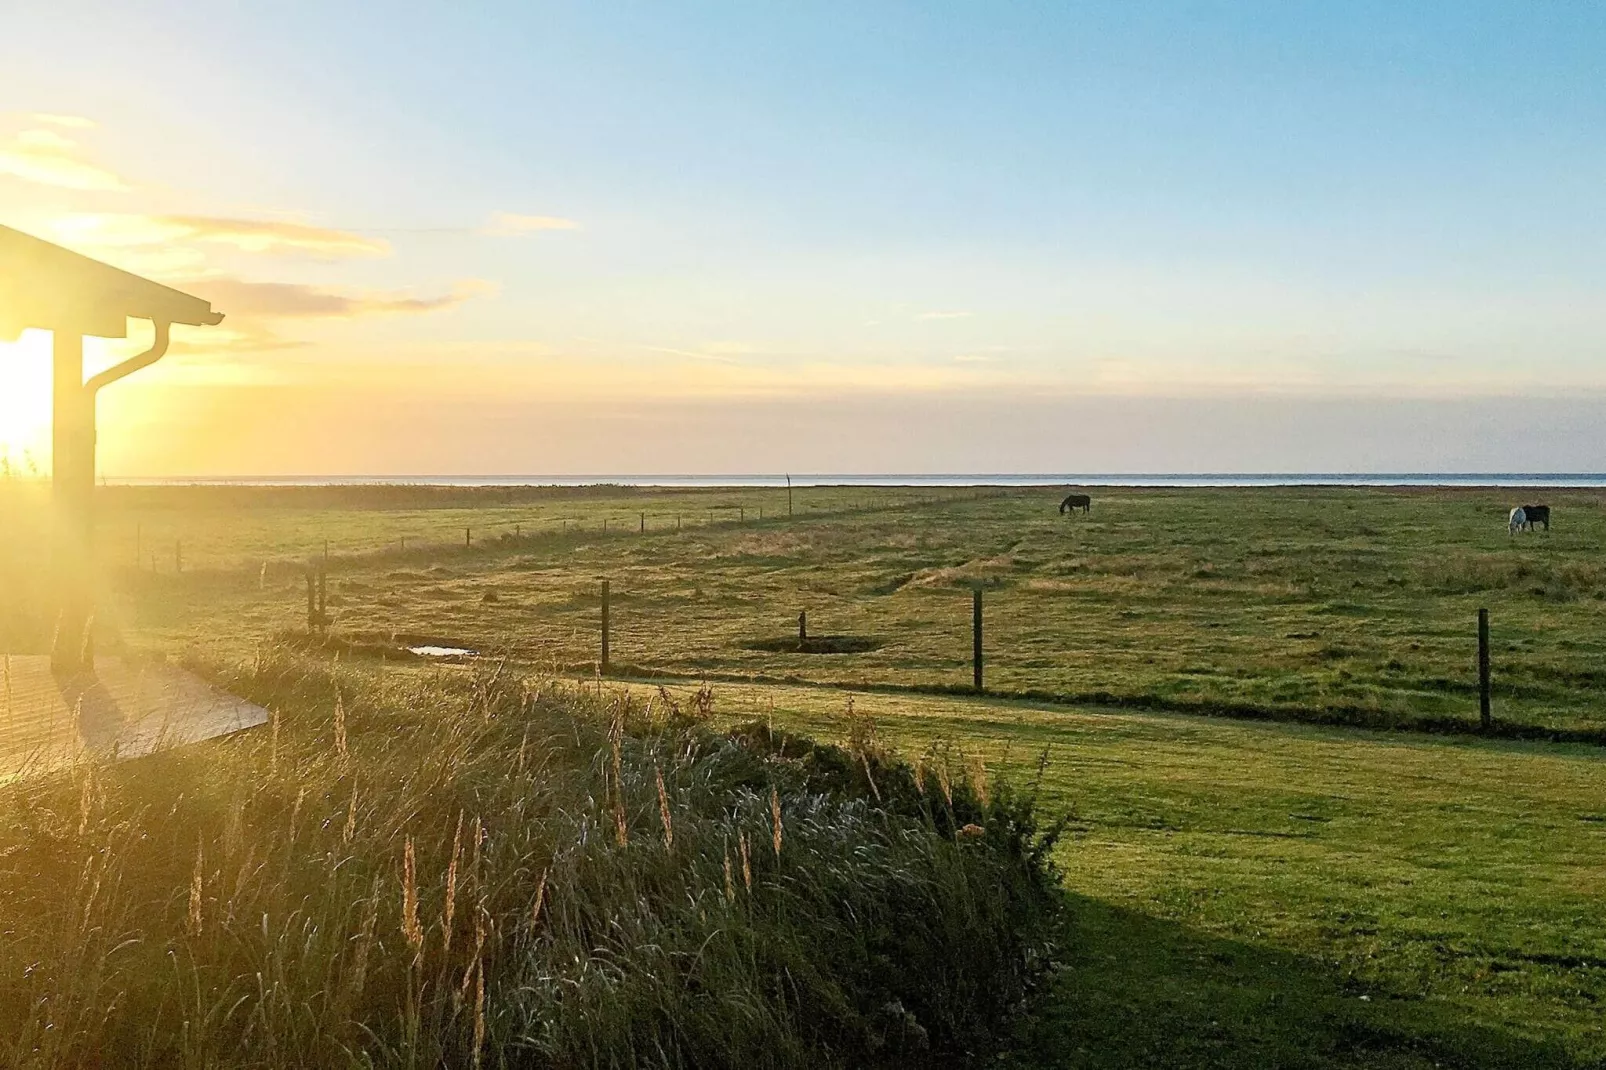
[(1537, 514), (1517, 521), (1074, 502)]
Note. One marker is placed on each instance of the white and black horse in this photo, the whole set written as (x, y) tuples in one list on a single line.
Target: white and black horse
[(1524, 517)]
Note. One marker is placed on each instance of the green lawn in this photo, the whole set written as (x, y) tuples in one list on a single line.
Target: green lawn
[(1286, 895)]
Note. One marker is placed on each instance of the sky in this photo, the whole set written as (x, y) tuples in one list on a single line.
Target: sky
[(524, 238)]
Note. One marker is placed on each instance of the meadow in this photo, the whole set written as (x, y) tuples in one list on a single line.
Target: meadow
[(1338, 605), (1288, 845)]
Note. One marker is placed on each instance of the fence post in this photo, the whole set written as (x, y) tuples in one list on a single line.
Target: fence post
[(404, 544), (326, 550), (975, 636), (802, 627), (789, 495), (643, 523), (677, 521), (604, 627), (741, 514), (468, 538), (1483, 669)]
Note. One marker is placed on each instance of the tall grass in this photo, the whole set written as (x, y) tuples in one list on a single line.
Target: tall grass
[(414, 869)]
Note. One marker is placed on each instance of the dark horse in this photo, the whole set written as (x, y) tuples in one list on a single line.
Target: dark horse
[(1074, 502), (1537, 514)]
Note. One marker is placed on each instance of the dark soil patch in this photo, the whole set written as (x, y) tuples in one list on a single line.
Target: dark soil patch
[(817, 644)]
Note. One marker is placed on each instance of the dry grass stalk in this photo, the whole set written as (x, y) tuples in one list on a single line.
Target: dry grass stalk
[(273, 745), (350, 828), (86, 799), (747, 865), (449, 910), (412, 930), (663, 810), (775, 819), (196, 879), (340, 727), (479, 1014), (476, 963), (540, 900), (730, 883), (976, 772)]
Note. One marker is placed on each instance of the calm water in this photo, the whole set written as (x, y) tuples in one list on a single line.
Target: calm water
[(987, 479)]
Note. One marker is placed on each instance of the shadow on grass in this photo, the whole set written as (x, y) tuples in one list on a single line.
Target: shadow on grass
[(1139, 991)]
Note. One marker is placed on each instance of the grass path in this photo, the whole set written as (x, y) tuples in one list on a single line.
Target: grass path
[(1267, 894)]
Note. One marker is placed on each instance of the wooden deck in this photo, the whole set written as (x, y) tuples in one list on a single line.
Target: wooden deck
[(121, 710)]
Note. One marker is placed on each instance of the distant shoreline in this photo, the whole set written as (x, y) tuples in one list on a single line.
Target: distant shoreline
[(1162, 479)]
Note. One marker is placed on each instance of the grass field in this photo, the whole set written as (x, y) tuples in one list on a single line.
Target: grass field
[(1348, 605), (1250, 891)]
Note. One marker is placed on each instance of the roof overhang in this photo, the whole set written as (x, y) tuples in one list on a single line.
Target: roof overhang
[(45, 286)]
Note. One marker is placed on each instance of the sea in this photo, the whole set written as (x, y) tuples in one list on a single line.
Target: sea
[(926, 479)]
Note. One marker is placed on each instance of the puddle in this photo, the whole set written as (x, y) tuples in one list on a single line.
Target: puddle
[(441, 651)]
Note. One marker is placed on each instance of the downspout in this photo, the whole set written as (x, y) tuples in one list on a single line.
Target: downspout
[(133, 364)]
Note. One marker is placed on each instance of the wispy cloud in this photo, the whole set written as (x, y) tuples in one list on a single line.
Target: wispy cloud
[(943, 315), (71, 122), (47, 158), (269, 236), (506, 224), (291, 300), (255, 311)]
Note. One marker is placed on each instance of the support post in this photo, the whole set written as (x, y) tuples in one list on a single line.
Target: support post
[(72, 486), (975, 638), (468, 538), (1484, 717), (643, 523), (604, 627), (789, 495), (802, 627)]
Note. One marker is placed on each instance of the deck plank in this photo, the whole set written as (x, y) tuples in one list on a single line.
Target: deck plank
[(124, 709)]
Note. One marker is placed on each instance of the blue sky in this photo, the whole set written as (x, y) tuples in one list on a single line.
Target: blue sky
[(904, 205)]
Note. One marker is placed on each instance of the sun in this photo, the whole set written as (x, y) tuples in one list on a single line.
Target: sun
[(25, 400)]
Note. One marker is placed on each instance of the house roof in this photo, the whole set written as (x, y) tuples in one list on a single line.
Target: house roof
[(43, 285)]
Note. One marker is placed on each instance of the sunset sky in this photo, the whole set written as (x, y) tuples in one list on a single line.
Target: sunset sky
[(524, 238)]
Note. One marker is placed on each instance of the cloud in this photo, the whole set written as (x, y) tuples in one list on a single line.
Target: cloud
[(48, 158), (71, 122), (506, 224), (249, 235), (944, 315), (292, 300)]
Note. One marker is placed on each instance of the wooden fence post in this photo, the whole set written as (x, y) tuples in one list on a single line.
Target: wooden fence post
[(604, 627), (643, 523), (975, 637), (468, 538), (802, 627), (1483, 670), (741, 514)]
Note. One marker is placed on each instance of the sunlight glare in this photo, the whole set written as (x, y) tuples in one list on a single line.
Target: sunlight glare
[(25, 400)]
